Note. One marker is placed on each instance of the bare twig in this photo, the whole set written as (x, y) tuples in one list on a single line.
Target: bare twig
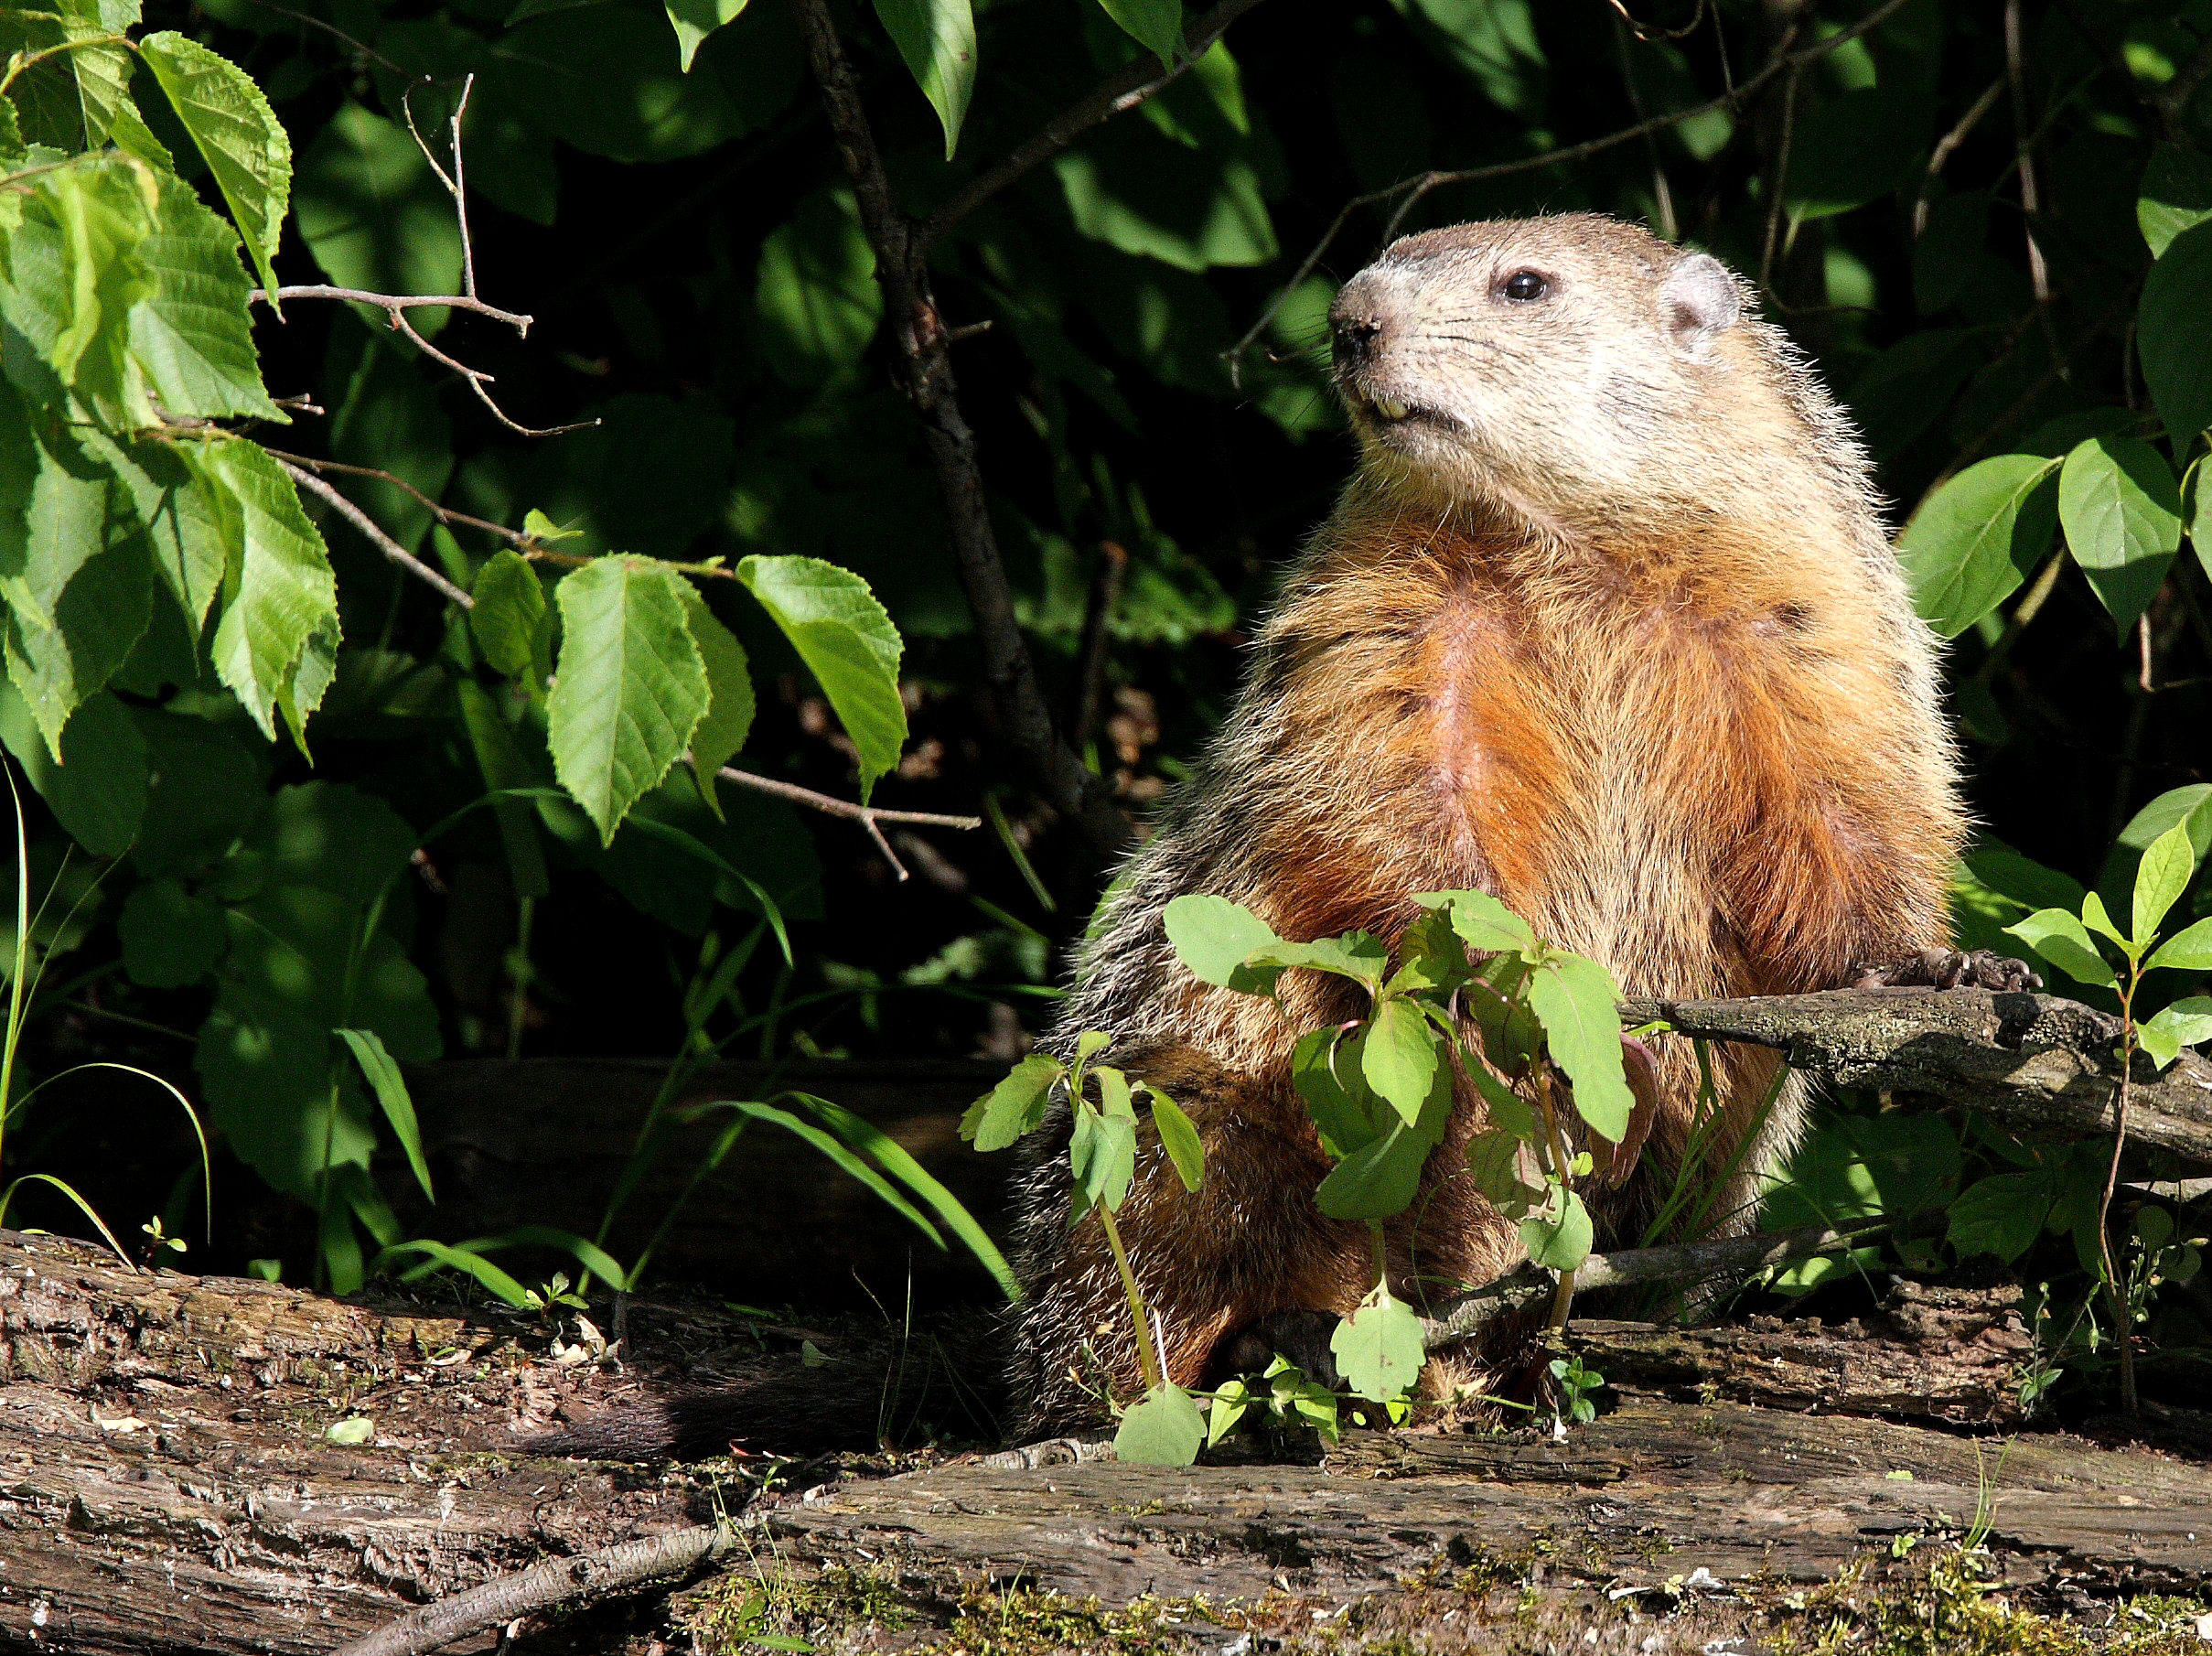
[(1091, 656), (1780, 180), (477, 379), (1644, 32), (1123, 89), (455, 182), (368, 526), (869, 817), (392, 304), (1947, 145), (925, 368), (1413, 189)]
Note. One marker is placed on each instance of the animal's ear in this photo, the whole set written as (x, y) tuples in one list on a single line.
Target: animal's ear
[(1699, 301)]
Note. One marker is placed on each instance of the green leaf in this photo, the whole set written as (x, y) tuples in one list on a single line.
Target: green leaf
[(728, 718), (1173, 206), (1558, 1237), (1357, 955), (2095, 916), (190, 333), (1214, 937), (816, 291), (500, 762), (2176, 195), (1102, 1158), (2062, 939), (279, 591), (631, 686), (512, 621), (171, 940), (2121, 511), (1577, 1001), (2186, 950), (1162, 1429), (76, 273), (2184, 1023), (467, 1261), (2172, 338), (1379, 1179), (2160, 879), (1178, 1137), (853, 1168), (351, 1432), (193, 527), (694, 20), (375, 217), (1377, 1347), (846, 637), (1232, 1400), (1013, 1107), (1156, 24), (1977, 538), (1482, 922), (1327, 1073), (237, 135), (1494, 1163), (937, 38), (1399, 1060), (391, 1089), (2003, 1214), (98, 791), (1091, 1043)]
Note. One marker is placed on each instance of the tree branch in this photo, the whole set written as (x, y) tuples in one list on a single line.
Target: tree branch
[(368, 526), (1123, 89), (925, 368)]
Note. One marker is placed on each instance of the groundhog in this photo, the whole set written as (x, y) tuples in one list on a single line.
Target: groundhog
[(1606, 624)]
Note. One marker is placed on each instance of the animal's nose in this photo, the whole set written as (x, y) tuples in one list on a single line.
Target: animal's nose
[(1353, 331)]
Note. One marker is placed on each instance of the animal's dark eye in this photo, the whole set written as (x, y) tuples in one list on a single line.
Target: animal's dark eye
[(1524, 285)]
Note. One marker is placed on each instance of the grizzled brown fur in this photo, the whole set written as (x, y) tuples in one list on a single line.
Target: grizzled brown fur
[(1606, 623)]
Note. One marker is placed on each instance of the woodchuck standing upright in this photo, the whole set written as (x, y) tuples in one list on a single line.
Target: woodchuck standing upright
[(1606, 624)]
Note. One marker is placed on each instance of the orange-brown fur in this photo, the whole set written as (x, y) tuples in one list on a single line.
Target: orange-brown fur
[(1664, 698)]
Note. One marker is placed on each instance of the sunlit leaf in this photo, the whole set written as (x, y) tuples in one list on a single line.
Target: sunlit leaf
[(237, 135)]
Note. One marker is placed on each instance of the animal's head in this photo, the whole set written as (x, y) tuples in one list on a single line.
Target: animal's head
[(1560, 366)]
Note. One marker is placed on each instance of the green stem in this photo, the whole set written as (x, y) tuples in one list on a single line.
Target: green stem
[(1562, 1298), (523, 974), (1381, 1272), (2123, 1319), (1153, 1380)]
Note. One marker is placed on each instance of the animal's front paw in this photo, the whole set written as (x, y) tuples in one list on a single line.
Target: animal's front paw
[(1950, 969), (1302, 1336)]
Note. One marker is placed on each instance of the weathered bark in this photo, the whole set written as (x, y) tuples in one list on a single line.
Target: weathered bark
[(2035, 1062)]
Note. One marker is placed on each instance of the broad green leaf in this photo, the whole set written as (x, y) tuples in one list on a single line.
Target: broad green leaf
[(236, 133), (2184, 1023), (1214, 937), (190, 333), (351, 1432), (512, 621), (1494, 1163), (1189, 211), (1577, 1001), (694, 20), (1014, 1106), (2160, 879), (2121, 511), (816, 290), (2176, 195), (1178, 1137), (500, 762), (1377, 1347), (1977, 538), (1431, 958), (1231, 1399), (1102, 1159), (847, 639), (1156, 24), (1399, 1060), (2097, 918), (374, 215), (2001, 1214), (76, 273), (1482, 922), (2189, 805), (1558, 1236), (1357, 955), (729, 712), (2186, 950), (391, 1089), (2172, 338), (279, 591), (2197, 508), (1114, 1095), (937, 38), (2061, 940), (1326, 1074), (1162, 1429), (631, 686), (1379, 1179), (171, 939), (1091, 1043), (98, 790)]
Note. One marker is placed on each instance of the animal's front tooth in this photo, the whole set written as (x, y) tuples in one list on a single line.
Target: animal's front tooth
[(1390, 408)]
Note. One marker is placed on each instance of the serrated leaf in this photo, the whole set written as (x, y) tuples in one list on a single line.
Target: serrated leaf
[(936, 39), (1559, 1236), (1978, 537), (2170, 337), (1357, 955), (278, 592), (728, 719), (2186, 950), (847, 640), (631, 685), (1213, 937), (2184, 1023), (1482, 922), (694, 20), (2121, 511), (1398, 1058), (2160, 879), (1377, 1347), (1013, 1107), (1178, 1137), (237, 135), (193, 535), (1162, 1429), (76, 272), (2176, 195), (390, 1088), (1156, 24), (2062, 939), (190, 333), (1102, 1159), (1578, 1004), (512, 621)]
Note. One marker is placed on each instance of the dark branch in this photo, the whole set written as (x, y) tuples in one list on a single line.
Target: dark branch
[(924, 370)]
